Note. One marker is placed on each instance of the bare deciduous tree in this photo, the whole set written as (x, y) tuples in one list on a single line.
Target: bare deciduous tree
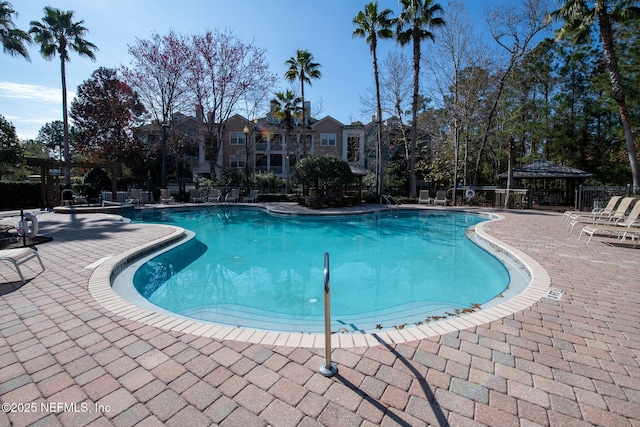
[(157, 73), (225, 71), (396, 86), (454, 72), (513, 27)]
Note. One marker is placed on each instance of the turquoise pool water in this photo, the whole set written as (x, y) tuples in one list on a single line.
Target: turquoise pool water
[(247, 267)]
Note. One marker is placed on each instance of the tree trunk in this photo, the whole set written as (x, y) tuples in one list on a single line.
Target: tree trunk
[(219, 149), (304, 120), (487, 130), (606, 35), (414, 122), (378, 122), (507, 200), (65, 121), (492, 112)]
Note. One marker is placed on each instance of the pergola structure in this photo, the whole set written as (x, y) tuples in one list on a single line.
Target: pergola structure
[(50, 177), (545, 171)]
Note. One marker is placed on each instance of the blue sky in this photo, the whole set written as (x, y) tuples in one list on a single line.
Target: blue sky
[(30, 91)]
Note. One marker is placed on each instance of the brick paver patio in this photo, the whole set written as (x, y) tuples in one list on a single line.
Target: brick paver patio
[(66, 360)]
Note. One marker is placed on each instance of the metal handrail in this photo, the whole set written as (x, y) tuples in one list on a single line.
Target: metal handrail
[(592, 196), (328, 369), (391, 201)]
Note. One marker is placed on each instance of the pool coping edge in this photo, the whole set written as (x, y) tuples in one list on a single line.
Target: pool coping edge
[(100, 288)]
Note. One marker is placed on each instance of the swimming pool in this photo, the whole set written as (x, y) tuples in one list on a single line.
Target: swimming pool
[(247, 267)]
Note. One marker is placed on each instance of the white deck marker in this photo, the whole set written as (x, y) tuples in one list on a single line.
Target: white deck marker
[(97, 263)]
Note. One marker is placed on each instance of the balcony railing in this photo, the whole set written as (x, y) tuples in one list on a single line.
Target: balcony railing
[(278, 170), (273, 147)]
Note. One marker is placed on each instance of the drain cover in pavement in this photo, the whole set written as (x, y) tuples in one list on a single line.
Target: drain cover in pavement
[(555, 294)]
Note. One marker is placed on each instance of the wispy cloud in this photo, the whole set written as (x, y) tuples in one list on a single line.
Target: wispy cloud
[(28, 121), (31, 92)]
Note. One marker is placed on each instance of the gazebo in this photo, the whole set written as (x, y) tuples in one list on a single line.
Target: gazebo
[(359, 173), (49, 181), (552, 183)]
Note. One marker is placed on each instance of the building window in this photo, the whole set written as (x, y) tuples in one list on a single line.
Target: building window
[(237, 138), (236, 161), (328, 139)]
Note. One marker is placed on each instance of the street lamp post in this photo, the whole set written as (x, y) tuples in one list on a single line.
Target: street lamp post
[(246, 159), (164, 155), (286, 171)]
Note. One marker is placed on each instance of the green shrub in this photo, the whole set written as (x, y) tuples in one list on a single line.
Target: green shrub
[(95, 181), (267, 182), (324, 174), (98, 179), (18, 195), (233, 177)]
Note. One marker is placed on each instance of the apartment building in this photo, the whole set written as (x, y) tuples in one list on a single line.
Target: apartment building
[(264, 143)]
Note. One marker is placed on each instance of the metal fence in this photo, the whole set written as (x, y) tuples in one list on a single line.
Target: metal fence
[(590, 197)]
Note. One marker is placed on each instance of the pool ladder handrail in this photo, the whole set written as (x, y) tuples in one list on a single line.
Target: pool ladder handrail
[(327, 369), (392, 203)]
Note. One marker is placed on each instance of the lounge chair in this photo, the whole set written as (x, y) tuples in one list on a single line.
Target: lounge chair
[(424, 197), (629, 224), (607, 210), (173, 187), (252, 197), (441, 198), (135, 197), (126, 203), (19, 256), (233, 196), (165, 196), (195, 196), (188, 186), (70, 197), (617, 215), (619, 229), (214, 195)]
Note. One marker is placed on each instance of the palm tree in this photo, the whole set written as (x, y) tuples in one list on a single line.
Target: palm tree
[(373, 25), (57, 33), (579, 17), (287, 106), (302, 67), (416, 19), (13, 39)]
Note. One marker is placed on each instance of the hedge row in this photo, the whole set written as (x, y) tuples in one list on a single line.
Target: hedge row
[(16, 195)]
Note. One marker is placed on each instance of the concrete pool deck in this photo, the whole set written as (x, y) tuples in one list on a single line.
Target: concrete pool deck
[(572, 361)]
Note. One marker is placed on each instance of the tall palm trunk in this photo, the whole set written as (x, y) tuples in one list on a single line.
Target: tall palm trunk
[(414, 116), (304, 119), (65, 121), (53, 34), (378, 120), (606, 36), (373, 24)]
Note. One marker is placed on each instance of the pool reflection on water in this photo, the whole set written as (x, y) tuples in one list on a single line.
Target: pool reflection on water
[(251, 268)]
